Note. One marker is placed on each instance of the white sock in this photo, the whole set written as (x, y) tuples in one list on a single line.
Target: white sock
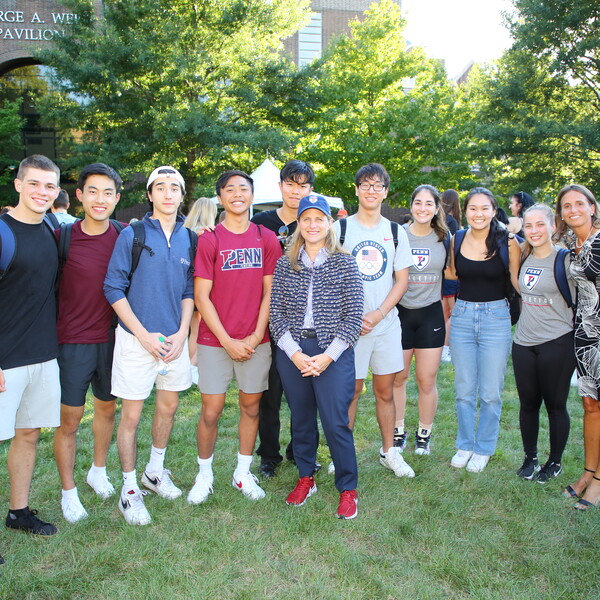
[(424, 430), (399, 427), (94, 470), (70, 493), (130, 481), (157, 460), (205, 466), (243, 464)]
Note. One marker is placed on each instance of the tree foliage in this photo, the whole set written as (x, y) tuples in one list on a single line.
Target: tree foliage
[(379, 101), (200, 85), (10, 138)]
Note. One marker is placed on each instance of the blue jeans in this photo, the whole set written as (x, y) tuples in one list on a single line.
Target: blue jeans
[(480, 340)]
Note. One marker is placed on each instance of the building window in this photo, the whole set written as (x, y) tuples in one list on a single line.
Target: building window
[(310, 40)]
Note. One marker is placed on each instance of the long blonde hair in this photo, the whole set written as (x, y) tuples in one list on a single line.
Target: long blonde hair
[(561, 226), (332, 245), (202, 213), (526, 248)]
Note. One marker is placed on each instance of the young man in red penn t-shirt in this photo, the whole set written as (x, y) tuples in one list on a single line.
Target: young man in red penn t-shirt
[(232, 289), (86, 335)]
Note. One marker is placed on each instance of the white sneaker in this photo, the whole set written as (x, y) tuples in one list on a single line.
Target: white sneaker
[(72, 509), (394, 461), (477, 463), (331, 468), (461, 458), (203, 487), (247, 483), (162, 484), (446, 355), (131, 504), (100, 484)]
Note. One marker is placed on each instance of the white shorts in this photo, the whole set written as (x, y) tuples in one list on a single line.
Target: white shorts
[(216, 370), (31, 399), (383, 353), (135, 370)]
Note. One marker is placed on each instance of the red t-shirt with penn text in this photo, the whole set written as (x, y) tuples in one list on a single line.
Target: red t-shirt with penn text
[(84, 315), (236, 263)]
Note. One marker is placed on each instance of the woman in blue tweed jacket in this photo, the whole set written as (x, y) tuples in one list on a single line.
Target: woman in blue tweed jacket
[(316, 316)]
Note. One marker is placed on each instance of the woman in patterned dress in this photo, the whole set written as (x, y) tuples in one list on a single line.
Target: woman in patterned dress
[(578, 216)]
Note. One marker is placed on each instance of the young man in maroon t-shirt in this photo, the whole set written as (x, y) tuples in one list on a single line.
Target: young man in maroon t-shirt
[(86, 335), (232, 289)]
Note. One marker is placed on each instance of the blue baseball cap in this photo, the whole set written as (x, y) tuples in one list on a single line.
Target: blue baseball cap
[(314, 201)]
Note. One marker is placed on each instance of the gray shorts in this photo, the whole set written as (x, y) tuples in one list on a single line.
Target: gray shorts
[(31, 399), (383, 353), (216, 370)]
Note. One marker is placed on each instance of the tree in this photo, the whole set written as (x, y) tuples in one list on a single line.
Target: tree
[(200, 85), (379, 101), (10, 138)]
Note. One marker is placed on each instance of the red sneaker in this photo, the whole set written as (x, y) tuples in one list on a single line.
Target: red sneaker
[(348, 506), (305, 487)]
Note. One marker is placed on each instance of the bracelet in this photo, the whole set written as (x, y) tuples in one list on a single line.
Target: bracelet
[(382, 313)]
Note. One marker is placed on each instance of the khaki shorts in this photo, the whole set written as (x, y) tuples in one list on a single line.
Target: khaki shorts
[(216, 370), (383, 353), (31, 399), (135, 370)]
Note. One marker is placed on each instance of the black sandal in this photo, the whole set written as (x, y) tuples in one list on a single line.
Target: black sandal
[(569, 492), (585, 504)]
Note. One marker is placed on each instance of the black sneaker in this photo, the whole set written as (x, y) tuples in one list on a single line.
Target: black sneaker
[(529, 468), (548, 471), (267, 469), (399, 440), (30, 523), (422, 444)]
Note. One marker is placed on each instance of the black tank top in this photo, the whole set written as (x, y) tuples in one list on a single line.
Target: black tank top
[(481, 280)]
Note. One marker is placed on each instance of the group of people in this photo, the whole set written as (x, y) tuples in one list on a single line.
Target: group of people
[(291, 302)]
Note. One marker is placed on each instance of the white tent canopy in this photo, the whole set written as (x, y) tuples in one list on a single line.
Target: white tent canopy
[(266, 187)]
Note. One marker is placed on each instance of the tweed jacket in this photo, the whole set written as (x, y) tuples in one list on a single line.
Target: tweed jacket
[(338, 298)]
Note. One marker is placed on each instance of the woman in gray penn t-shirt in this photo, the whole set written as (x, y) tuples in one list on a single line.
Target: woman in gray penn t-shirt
[(543, 348)]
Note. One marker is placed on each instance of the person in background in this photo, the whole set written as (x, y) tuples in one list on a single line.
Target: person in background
[(543, 352), (421, 314), (316, 317), (61, 206), (202, 215), (451, 206), (519, 203), (578, 216)]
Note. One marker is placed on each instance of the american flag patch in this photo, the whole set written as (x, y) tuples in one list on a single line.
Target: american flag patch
[(369, 254)]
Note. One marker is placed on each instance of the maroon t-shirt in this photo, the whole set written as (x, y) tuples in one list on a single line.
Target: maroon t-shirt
[(236, 263), (84, 315)]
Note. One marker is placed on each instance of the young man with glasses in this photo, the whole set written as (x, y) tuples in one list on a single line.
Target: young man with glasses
[(296, 181), (383, 255), (154, 306)]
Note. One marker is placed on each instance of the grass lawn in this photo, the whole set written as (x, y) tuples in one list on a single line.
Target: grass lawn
[(444, 534)]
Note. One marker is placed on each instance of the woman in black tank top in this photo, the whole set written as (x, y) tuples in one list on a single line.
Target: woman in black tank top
[(480, 336)]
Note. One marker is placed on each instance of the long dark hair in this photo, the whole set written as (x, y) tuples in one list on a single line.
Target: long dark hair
[(525, 201), (451, 204), (496, 234), (438, 223)]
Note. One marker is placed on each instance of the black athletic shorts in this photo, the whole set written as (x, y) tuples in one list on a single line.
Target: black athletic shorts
[(84, 364), (422, 327)]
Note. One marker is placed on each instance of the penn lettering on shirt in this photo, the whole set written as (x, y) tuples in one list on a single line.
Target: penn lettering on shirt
[(242, 258)]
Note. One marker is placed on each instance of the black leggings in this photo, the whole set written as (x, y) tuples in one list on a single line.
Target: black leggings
[(544, 372)]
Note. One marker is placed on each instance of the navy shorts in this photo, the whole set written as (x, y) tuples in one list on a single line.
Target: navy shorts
[(84, 364), (422, 327)]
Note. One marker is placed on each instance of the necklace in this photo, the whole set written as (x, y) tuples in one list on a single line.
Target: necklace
[(579, 246)]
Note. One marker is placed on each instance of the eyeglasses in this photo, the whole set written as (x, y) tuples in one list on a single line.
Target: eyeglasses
[(377, 187)]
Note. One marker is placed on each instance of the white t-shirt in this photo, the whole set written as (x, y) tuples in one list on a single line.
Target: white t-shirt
[(377, 259)]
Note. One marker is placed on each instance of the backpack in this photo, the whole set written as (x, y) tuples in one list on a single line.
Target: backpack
[(64, 240), (343, 225), (139, 245), (8, 243), (560, 276)]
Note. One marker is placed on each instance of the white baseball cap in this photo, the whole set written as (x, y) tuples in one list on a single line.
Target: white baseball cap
[(166, 171)]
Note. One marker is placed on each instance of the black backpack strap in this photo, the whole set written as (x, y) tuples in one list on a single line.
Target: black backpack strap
[(560, 276), (459, 236), (194, 246), (50, 218), (395, 227), (139, 239), (117, 225), (8, 247), (64, 243), (343, 225)]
